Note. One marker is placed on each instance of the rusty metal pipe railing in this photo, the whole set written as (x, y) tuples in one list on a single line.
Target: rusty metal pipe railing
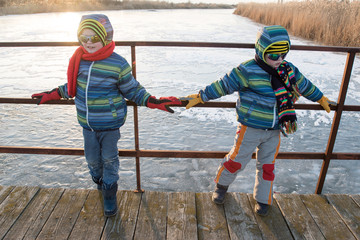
[(336, 122), (212, 104), (215, 104), (173, 153), (136, 127), (327, 156), (181, 44)]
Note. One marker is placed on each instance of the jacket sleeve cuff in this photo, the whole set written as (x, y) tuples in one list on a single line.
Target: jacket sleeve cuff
[(203, 96)]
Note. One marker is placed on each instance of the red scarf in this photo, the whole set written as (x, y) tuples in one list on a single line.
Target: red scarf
[(79, 54)]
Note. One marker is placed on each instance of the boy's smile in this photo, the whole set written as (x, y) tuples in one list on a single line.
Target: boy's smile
[(89, 46)]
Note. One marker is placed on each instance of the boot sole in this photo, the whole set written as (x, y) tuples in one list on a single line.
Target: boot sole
[(110, 214), (263, 214), (217, 201)]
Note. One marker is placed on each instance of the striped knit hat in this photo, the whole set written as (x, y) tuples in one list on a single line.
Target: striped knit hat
[(272, 39), (100, 24), (278, 47)]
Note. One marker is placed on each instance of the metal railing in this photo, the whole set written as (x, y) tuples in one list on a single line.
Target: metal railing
[(326, 156)]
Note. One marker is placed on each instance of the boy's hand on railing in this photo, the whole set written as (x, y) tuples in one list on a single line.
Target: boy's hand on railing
[(192, 99), (325, 103), (47, 96), (163, 103)]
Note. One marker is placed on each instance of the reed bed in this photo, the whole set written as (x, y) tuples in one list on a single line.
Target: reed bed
[(325, 22), (41, 6)]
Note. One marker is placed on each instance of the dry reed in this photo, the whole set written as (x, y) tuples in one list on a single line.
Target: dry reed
[(322, 21)]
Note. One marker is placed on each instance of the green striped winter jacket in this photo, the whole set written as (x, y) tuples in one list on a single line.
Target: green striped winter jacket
[(101, 89), (256, 106)]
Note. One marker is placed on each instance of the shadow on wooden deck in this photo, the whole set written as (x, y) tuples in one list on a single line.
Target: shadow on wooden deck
[(41, 213)]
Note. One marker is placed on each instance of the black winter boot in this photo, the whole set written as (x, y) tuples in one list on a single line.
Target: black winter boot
[(110, 202), (98, 182), (218, 196), (262, 209)]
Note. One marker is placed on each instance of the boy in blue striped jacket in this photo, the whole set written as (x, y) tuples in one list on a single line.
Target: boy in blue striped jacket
[(268, 86), (100, 80)]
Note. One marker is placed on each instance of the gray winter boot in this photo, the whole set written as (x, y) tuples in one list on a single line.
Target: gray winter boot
[(218, 196), (110, 202)]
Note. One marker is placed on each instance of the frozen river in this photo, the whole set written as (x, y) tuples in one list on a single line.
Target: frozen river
[(164, 71)]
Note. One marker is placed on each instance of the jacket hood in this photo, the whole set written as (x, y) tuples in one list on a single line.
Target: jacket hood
[(104, 21), (268, 36)]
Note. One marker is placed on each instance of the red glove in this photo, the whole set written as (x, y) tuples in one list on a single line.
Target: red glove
[(163, 103), (47, 96)]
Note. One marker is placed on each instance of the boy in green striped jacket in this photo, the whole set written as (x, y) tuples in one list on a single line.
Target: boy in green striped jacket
[(100, 80), (268, 86)]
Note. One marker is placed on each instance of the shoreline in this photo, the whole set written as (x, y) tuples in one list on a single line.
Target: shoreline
[(73, 6), (326, 23)]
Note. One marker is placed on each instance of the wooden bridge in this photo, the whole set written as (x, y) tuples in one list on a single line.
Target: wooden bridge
[(48, 213), (138, 153)]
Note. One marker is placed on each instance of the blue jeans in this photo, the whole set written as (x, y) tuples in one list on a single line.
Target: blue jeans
[(102, 154)]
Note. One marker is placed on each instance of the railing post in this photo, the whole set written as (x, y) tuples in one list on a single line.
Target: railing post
[(136, 126), (336, 121)]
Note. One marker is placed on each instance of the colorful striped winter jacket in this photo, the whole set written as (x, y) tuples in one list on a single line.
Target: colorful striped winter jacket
[(256, 106), (101, 89)]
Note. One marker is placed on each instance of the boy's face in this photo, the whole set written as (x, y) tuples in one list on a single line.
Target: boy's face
[(90, 46), (274, 63)]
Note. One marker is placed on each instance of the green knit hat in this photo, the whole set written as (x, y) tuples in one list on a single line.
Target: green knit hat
[(96, 26)]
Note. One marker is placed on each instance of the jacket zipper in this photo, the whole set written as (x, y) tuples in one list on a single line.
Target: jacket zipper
[(273, 124), (86, 96), (274, 117)]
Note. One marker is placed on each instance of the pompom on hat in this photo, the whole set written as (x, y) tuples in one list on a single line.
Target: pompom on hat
[(100, 24)]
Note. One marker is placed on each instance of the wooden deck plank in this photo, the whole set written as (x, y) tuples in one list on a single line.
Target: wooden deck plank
[(62, 219), (211, 218), (33, 213), (122, 226), (181, 222), (356, 198), (41, 219), (326, 217), (240, 217), (272, 226), (151, 224), (91, 221), (29, 224), (348, 210), (13, 206), (4, 192), (299, 221)]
